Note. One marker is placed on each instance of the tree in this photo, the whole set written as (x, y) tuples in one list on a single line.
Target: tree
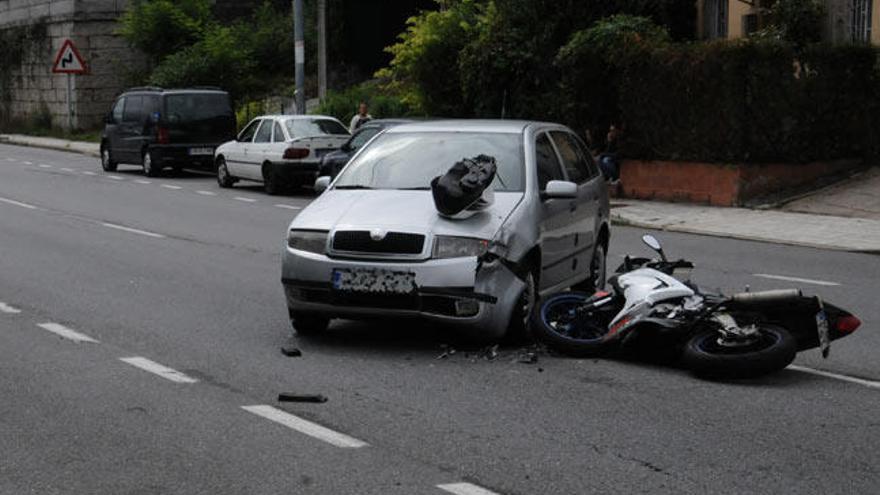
[(162, 27)]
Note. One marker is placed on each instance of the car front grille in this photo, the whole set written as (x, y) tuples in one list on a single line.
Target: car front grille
[(360, 241)]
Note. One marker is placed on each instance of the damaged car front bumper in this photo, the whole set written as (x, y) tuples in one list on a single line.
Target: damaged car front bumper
[(467, 292)]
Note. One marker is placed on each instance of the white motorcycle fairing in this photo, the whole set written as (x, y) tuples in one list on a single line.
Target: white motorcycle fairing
[(645, 287)]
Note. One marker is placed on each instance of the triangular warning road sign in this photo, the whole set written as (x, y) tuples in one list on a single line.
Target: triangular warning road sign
[(68, 60)]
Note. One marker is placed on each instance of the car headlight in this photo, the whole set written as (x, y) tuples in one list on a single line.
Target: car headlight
[(459, 247), (312, 241)]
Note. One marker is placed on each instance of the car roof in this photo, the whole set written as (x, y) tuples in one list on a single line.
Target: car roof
[(465, 125), (294, 117)]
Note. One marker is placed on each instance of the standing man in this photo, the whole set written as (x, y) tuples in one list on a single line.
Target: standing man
[(360, 118)]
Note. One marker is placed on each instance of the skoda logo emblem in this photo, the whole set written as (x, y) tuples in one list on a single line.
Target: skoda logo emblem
[(377, 234)]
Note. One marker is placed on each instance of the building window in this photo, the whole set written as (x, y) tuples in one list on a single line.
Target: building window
[(861, 21), (715, 18)]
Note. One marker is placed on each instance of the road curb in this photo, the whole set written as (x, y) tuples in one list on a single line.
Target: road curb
[(619, 220), (49, 146)]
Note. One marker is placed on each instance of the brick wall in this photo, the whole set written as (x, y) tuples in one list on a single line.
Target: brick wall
[(90, 24)]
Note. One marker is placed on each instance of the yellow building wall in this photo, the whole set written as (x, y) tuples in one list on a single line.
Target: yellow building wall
[(736, 10), (875, 23)]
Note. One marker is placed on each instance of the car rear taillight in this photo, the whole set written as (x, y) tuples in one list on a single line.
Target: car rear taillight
[(162, 135), (295, 153), (847, 324)]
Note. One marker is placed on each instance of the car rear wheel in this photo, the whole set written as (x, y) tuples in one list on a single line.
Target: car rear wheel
[(308, 324), (107, 162), (271, 183), (150, 167), (223, 178)]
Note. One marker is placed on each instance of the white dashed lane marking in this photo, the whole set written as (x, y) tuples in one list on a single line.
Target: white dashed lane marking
[(115, 177), (288, 207), (142, 181), (169, 186), (158, 369), (206, 193), (246, 200), (797, 279), (28, 163), (45, 165), (67, 169), (5, 308), (305, 427), (67, 333), (836, 376), (18, 203), (88, 172), (133, 231), (11, 160), (465, 489)]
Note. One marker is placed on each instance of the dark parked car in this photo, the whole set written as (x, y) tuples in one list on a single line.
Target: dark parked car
[(157, 128), (333, 162)]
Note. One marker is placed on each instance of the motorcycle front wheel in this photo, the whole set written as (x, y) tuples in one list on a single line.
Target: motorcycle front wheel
[(566, 323), (708, 354)]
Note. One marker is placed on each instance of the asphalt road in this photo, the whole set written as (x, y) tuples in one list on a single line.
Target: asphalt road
[(140, 326)]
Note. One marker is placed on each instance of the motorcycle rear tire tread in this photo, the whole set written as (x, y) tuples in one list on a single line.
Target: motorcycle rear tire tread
[(750, 365)]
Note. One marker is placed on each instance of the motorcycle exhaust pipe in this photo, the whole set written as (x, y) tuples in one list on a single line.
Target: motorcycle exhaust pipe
[(767, 297)]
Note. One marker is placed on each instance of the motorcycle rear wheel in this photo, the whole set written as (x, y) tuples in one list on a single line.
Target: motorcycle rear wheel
[(559, 322), (707, 355)]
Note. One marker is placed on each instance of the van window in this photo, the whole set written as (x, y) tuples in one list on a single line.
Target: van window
[(548, 163), (572, 157), (194, 107), (117, 111), (264, 135), (134, 109)]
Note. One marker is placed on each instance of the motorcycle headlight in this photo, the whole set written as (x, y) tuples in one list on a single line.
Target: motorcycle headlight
[(312, 241), (459, 247)]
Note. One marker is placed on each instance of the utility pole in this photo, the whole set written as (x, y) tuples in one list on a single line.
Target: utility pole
[(300, 56), (322, 49)]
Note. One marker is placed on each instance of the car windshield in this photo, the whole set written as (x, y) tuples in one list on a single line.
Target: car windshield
[(193, 107), (412, 160), (314, 127)]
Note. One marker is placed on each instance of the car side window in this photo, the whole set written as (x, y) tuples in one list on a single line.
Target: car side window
[(264, 135), (247, 135), (278, 135), (134, 109), (572, 157), (117, 111), (361, 137), (547, 161)]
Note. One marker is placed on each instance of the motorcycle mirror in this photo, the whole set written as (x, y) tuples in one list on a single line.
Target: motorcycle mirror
[(654, 244)]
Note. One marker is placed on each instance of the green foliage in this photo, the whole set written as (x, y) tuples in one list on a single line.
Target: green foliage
[(343, 104), (160, 28), (424, 68), (797, 21)]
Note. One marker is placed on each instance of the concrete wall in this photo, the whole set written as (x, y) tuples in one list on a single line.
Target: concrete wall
[(90, 24)]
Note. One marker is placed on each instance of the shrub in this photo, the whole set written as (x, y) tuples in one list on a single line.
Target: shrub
[(797, 21), (343, 104), (161, 27)]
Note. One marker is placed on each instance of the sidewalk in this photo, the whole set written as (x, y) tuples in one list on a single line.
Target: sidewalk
[(91, 149), (857, 197), (798, 229)]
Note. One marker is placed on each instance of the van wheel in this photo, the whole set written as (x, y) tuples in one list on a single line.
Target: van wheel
[(270, 180), (107, 162), (150, 168), (223, 178)]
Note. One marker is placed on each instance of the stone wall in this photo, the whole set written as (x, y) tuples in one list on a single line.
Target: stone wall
[(33, 90)]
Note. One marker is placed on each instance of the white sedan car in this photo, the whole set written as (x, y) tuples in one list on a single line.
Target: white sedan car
[(279, 151)]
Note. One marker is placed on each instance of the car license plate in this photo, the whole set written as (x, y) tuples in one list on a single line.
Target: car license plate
[(201, 151), (373, 281)]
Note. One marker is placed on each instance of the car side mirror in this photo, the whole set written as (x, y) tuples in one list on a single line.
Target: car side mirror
[(560, 189), (322, 183)]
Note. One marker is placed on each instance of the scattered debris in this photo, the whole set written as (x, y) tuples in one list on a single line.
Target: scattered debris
[(527, 358), (490, 353), (290, 350), (315, 398), (447, 351)]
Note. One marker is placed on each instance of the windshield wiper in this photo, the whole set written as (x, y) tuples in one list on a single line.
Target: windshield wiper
[(352, 186)]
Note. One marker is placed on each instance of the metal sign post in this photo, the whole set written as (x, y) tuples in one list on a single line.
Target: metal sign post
[(69, 61)]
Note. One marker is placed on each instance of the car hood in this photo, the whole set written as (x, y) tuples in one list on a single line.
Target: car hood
[(406, 211)]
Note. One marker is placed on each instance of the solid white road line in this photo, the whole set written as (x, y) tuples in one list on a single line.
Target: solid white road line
[(246, 200), (169, 186), (465, 489), (836, 376), (206, 193), (288, 207), (133, 231), (796, 279), (88, 172), (67, 333), (5, 308), (157, 369), (115, 177), (306, 427), (18, 203), (45, 165)]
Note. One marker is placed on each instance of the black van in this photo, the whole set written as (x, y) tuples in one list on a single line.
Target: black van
[(157, 128)]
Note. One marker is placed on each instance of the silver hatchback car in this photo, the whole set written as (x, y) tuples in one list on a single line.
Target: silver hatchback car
[(374, 245)]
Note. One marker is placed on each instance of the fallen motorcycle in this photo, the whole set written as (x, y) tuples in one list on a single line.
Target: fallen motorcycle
[(653, 305)]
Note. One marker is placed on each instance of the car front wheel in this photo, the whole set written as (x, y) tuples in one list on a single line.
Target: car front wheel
[(223, 178), (308, 324)]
